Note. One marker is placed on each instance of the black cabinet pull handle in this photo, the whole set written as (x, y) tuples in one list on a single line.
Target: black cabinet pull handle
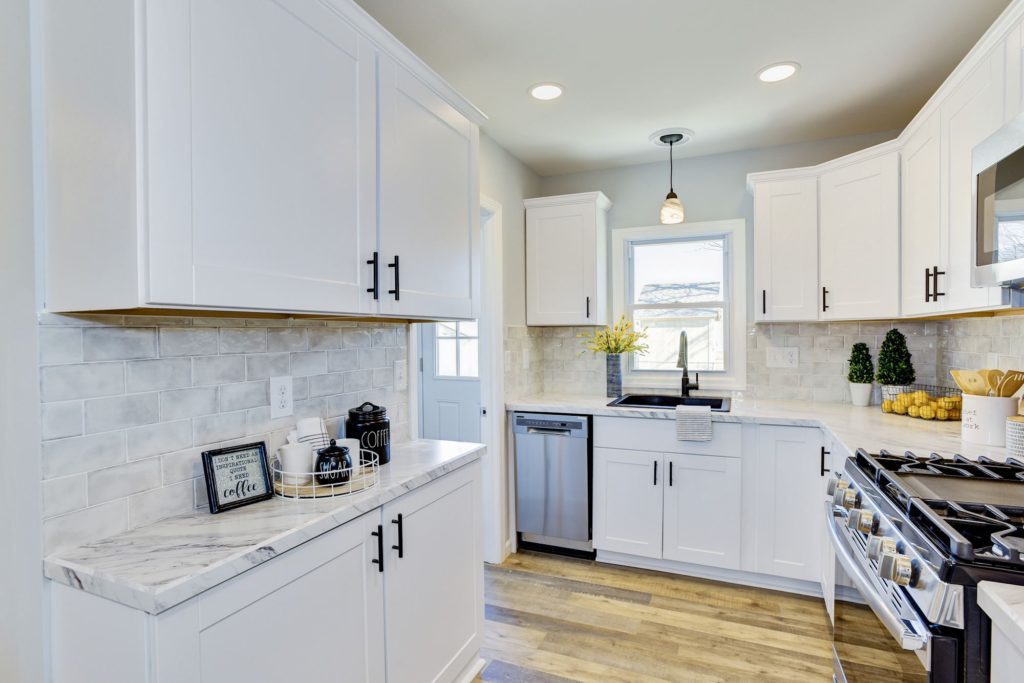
[(935, 284), (588, 306), (823, 454), (671, 467), (396, 290), (764, 302), (824, 299), (655, 472), (375, 262), (927, 285), (401, 544), (379, 533)]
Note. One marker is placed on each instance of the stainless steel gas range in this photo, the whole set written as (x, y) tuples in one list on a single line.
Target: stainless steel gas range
[(912, 537)]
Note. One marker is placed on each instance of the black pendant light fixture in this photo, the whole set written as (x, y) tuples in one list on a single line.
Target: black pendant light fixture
[(671, 209)]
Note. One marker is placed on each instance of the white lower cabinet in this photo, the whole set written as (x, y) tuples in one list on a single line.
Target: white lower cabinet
[(324, 612), (628, 501), (702, 517), (790, 498)]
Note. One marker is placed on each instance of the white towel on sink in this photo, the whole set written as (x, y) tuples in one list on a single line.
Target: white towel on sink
[(693, 423)]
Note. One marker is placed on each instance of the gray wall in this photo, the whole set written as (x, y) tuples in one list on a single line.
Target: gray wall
[(21, 604), (508, 181)]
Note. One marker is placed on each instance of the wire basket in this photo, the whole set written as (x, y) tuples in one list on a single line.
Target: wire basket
[(923, 401), (364, 474)]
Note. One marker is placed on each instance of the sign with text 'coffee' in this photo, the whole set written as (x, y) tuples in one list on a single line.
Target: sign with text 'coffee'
[(236, 476)]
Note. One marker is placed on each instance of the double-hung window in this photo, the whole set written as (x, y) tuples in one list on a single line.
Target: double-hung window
[(684, 279)]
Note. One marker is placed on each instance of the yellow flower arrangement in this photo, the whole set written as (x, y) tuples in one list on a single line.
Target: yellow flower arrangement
[(622, 337)]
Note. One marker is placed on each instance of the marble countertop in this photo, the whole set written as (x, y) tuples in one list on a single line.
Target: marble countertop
[(156, 567), (852, 427), (1004, 604)]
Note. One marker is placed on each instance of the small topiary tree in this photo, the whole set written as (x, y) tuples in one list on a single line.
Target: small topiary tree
[(894, 366), (861, 370)]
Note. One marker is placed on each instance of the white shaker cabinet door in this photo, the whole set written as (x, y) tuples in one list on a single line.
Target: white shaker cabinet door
[(288, 619), (859, 241), (433, 579), (786, 250), (702, 514), (429, 201), (972, 112), (628, 501), (790, 498), (922, 238), (261, 156)]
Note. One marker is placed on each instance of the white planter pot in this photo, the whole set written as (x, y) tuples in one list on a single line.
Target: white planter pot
[(860, 394), (984, 419)]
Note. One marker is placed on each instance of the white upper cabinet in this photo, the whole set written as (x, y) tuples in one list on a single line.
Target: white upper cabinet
[(430, 201), (566, 252), (252, 155), (786, 250), (859, 239), (969, 113), (922, 238)]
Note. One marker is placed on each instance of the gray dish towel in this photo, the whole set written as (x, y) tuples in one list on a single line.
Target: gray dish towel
[(693, 423)]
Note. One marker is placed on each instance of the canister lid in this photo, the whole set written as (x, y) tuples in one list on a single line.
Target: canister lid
[(367, 411)]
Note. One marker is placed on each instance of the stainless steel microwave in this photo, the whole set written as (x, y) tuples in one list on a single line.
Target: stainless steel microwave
[(998, 245)]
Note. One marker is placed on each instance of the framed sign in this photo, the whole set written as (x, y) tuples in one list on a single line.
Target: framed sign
[(236, 476)]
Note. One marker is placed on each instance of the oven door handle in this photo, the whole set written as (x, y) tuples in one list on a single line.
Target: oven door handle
[(901, 630)]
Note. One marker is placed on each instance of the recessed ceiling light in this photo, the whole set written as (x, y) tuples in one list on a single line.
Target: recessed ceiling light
[(546, 91), (773, 73)]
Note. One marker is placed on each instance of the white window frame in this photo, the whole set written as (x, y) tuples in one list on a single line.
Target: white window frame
[(734, 378), (459, 335)]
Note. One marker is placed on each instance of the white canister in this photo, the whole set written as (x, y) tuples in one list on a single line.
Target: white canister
[(1015, 436), (984, 419)]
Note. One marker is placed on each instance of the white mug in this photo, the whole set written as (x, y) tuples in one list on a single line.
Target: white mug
[(296, 463)]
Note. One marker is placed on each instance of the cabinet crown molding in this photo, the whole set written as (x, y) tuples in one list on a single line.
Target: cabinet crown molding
[(598, 197), (824, 167)]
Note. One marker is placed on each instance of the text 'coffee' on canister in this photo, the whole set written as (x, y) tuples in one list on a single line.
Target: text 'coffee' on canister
[(369, 424)]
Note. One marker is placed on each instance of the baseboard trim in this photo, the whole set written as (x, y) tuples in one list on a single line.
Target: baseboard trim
[(786, 585), (472, 669)]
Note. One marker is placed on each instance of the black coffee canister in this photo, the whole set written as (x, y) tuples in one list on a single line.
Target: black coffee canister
[(370, 424)]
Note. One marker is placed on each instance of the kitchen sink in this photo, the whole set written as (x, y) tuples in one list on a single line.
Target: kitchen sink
[(718, 405)]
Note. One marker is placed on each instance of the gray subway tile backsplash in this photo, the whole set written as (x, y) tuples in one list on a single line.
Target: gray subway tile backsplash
[(129, 403)]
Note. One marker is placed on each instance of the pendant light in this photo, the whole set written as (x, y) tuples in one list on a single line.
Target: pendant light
[(671, 209)]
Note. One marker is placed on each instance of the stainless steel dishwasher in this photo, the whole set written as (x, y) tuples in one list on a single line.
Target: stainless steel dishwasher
[(553, 480)]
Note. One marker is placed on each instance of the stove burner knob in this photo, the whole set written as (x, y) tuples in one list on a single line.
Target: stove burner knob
[(879, 545), (863, 521), (847, 498), (898, 569), (835, 484)]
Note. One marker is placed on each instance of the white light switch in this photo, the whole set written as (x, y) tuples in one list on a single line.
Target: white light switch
[(281, 397), (783, 357)]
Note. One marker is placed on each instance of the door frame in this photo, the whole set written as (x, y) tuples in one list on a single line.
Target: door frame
[(488, 290)]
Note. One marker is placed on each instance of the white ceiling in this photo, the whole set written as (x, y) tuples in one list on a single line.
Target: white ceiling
[(631, 67)]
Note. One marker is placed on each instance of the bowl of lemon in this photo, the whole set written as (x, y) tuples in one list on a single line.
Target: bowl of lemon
[(924, 403)]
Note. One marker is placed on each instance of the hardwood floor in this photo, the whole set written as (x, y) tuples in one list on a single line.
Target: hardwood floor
[(558, 619)]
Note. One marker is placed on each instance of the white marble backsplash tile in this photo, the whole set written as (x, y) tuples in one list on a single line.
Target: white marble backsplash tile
[(130, 402)]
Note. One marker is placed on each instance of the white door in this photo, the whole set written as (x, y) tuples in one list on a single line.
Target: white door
[(328, 611), (786, 250), (702, 517), (433, 579), (859, 240), (969, 114), (922, 237), (261, 131), (628, 501), (450, 381), (429, 203), (790, 501), (561, 265)]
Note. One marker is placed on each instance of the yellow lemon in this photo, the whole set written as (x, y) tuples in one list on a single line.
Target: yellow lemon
[(942, 414), (900, 409), (927, 413), (887, 406), (913, 411)]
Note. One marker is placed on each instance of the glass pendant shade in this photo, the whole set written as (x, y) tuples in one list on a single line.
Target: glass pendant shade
[(671, 210)]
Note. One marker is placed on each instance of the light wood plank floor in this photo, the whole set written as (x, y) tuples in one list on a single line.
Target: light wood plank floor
[(558, 619)]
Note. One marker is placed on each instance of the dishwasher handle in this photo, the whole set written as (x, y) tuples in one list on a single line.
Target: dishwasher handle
[(548, 431)]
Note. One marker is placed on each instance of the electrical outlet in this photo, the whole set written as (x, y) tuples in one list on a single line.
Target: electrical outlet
[(783, 357), (281, 397)]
